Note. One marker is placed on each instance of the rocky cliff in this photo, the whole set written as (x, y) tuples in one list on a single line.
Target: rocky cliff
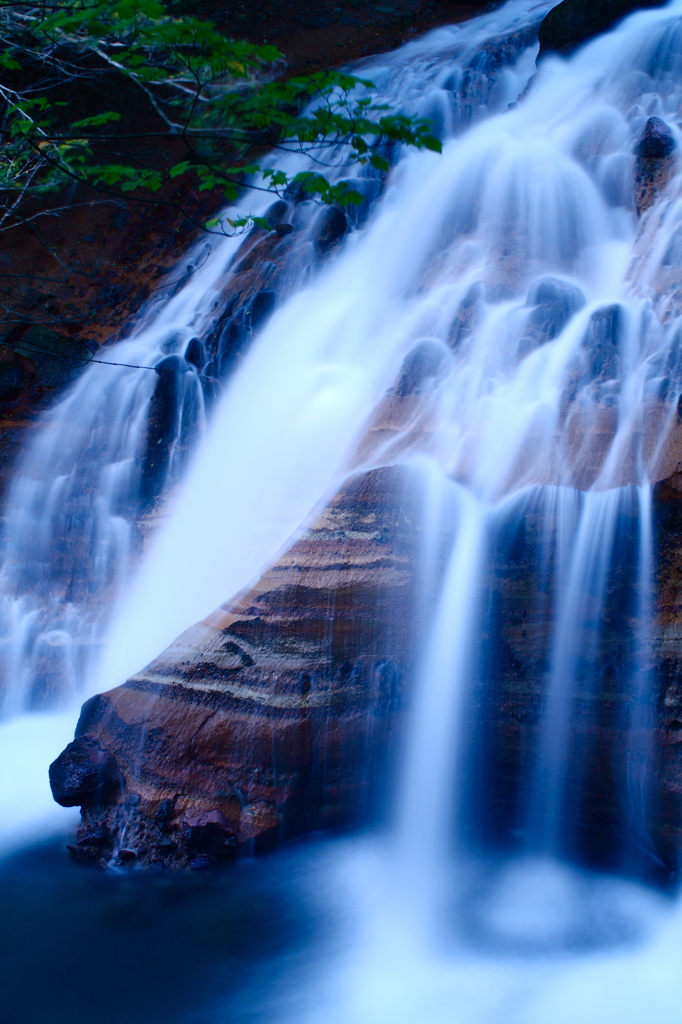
[(278, 715)]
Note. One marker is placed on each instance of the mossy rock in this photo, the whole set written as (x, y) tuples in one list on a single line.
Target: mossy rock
[(58, 359), (575, 21)]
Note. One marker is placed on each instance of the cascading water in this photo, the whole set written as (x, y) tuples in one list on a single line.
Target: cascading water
[(513, 281)]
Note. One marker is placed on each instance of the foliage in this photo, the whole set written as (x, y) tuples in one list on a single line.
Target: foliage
[(205, 108)]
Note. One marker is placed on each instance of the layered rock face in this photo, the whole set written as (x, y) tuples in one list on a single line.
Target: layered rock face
[(273, 717)]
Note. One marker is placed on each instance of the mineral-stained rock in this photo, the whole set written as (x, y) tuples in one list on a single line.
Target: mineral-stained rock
[(275, 716)]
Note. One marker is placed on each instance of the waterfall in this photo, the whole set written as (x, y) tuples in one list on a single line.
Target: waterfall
[(523, 291)]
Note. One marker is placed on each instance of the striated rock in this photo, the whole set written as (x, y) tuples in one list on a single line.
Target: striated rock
[(273, 717), (654, 163)]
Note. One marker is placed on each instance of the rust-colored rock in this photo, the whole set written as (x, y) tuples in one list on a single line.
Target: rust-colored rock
[(274, 716)]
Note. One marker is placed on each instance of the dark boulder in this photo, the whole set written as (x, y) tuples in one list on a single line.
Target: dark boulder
[(330, 228), (165, 399), (231, 340), (85, 774), (260, 308), (195, 353), (276, 213), (575, 21), (163, 424)]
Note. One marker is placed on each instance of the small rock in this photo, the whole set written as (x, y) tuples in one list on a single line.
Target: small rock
[(166, 810), (657, 140), (126, 856), (85, 856), (199, 863)]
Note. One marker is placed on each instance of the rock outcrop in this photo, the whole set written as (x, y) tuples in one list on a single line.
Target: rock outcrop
[(573, 22), (273, 717)]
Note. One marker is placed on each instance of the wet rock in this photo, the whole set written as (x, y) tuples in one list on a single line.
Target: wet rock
[(425, 361), (295, 192), (330, 228), (199, 863), (165, 400), (231, 342), (94, 846), (163, 424), (654, 164), (573, 22), (324, 644), (466, 317), (84, 773), (85, 856), (126, 857), (657, 140), (276, 213), (166, 810), (195, 353), (602, 343), (260, 308), (370, 189), (553, 302), (213, 841)]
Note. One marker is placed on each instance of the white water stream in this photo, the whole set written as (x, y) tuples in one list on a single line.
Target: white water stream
[(547, 314)]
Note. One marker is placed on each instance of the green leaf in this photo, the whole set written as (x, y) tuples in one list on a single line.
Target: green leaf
[(97, 119), (380, 162)]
